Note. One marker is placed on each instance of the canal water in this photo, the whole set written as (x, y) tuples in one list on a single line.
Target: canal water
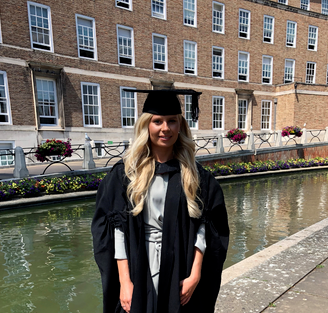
[(46, 259)]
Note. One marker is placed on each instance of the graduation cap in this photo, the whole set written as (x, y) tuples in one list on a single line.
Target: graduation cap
[(166, 102)]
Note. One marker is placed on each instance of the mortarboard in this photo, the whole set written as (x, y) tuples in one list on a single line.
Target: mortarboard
[(166, 102)]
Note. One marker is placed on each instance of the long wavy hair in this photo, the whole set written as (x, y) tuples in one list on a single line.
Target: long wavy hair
[(140, 165)]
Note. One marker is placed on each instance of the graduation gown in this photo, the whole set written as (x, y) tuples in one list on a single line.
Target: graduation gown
[(179, 231)]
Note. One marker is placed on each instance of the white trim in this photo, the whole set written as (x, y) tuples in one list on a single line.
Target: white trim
[(246, 115), (248, 25), (223, 112), (316, 38), (184, 59), (135, 107), (0, 33), (223, 18), (118, 26), (5, 79), (88, 18), (222, 49), (279, 1), (248, 62), (164, 11), (293, 73), (295, 38), (99, 104), (195, 18), (314, 74), (129, 2), (166, 54), (271, 71), (56, 101), (270, 116), (272, 41), (51, 43), (189, 120), (308, 5)]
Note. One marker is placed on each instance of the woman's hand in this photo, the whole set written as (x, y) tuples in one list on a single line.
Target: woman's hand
[(126, 289), (126, 292), (188, 287)]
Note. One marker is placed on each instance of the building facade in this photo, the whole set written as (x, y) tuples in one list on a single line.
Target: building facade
[(64, 64)]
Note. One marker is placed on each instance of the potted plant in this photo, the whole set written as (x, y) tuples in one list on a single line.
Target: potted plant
[(236, 135), (53, 147), (291, 130)]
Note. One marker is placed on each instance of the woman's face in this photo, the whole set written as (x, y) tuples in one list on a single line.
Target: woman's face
[(164, 130)]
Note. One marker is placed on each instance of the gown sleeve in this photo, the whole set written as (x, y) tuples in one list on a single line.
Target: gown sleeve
[(111, 207)]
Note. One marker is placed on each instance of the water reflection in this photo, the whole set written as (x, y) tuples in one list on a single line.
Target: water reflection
[(46, 259)]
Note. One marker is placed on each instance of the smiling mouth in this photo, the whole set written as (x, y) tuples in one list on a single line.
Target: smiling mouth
[(165, 137)]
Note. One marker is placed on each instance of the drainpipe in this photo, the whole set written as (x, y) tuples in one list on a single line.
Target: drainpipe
[(275, 101)]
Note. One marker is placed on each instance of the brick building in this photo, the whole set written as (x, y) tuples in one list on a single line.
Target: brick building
[(63, 64)]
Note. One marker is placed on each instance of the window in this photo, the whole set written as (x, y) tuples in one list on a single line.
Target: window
[(268, 28), (40, 26), (125, 45), (189, 120), (0, 33), (266, 69), (324, 7), (310, 73), (99, 148), (244, 23), (218, 62), (128, 108), (218, 109), (243, 65), (283, 1), (91, 104), (313, 38), (158, 8), (242, 113), (289, 71), (5, 115), (218, 17), (189, 12), (190, 58), (159, 52), (305, 4), (291, 34), (6, 148), (86, 36), (47, 102), (124, 4), (266, 115)]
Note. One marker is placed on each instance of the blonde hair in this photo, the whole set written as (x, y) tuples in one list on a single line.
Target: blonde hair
[(140, 165)]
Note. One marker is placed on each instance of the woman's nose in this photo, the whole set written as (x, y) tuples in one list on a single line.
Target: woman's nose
[(165, 126)]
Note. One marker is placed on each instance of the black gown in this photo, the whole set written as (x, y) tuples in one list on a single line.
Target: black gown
[(179, 231)]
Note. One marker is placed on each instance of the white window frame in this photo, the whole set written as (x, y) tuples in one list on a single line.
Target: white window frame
[(214, 3), (135, 107), (293, 45), (215, 63), (247, 68), (101, 142), (313, 38), (92, 20), (265, 113), (7, 99), (156, 14), (215, 121), (55, 106), (264, 29), (165, 52), (305, 5), (327, 75), (118, 44), (51, 45), (188, 102), (99, 104), (186, 9), (292, 73), (248, 24), (124, 4), (0, 33), (239, 120), (310, 77), (324, 7), (10, 160), (265, 70), (283, 2), (185, 59)]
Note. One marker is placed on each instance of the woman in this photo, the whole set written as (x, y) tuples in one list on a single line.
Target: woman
[(157, 213)]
